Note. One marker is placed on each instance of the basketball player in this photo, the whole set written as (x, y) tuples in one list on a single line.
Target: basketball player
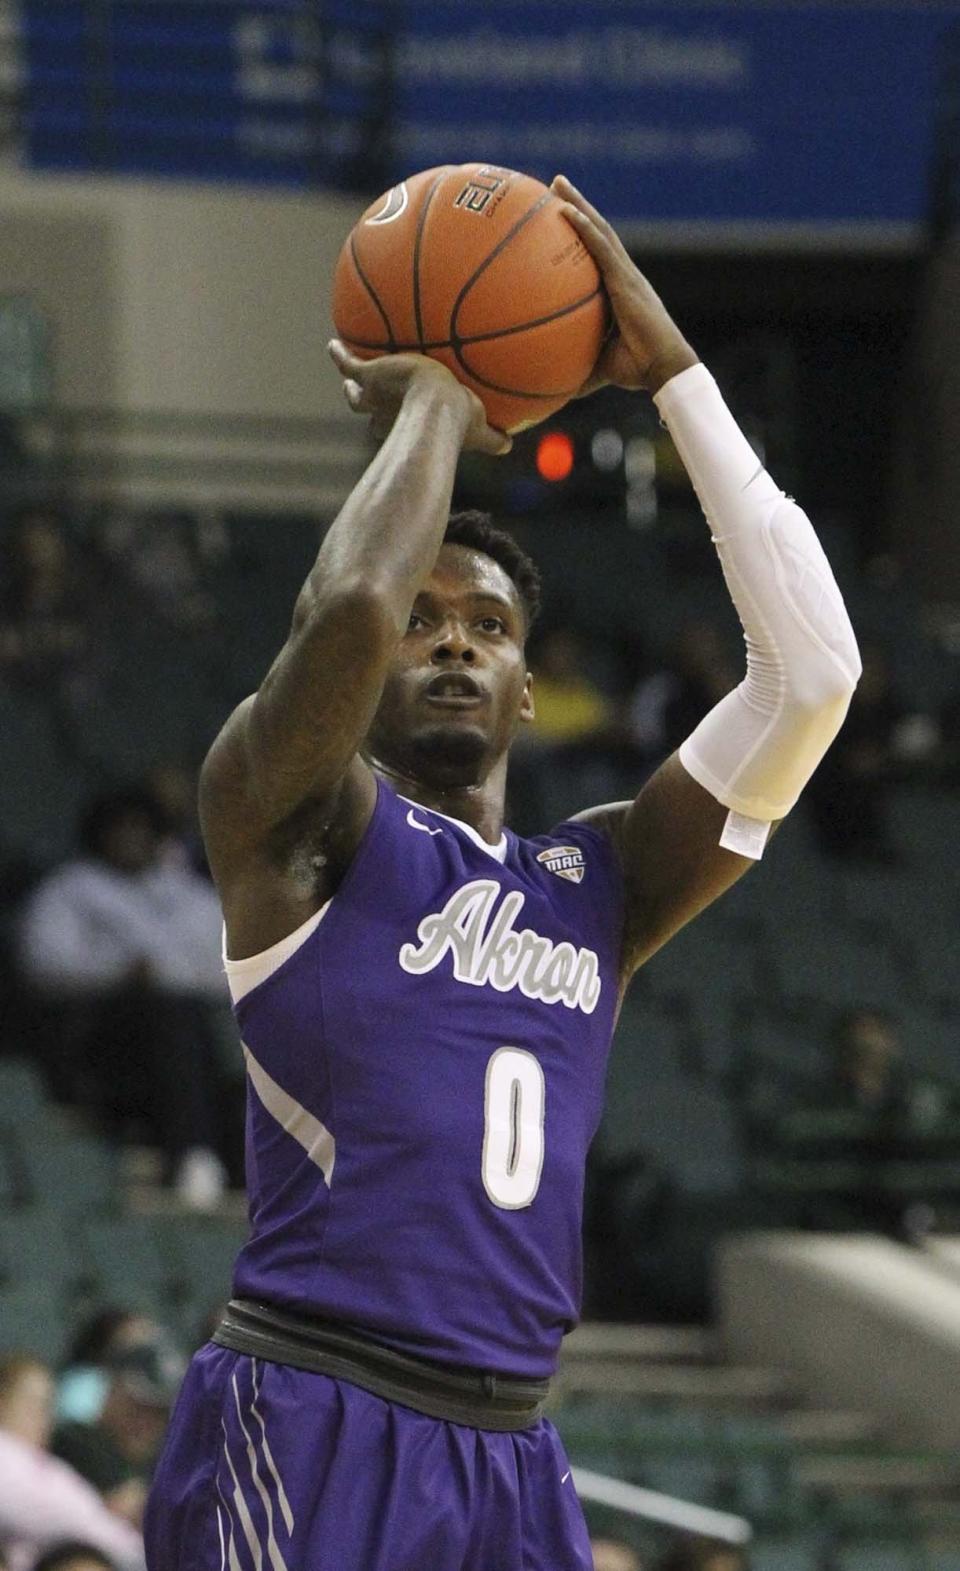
[(426, 1001)]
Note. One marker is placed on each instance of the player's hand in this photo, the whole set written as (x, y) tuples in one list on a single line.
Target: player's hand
[(378, 387), (646, 347)]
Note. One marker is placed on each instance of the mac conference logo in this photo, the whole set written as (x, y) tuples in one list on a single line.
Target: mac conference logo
[(566, 861)]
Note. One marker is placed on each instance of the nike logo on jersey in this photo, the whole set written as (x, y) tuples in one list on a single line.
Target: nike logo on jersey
[(478, 930), (416, 824)]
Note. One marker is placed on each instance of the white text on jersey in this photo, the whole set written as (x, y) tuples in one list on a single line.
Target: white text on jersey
[(488, 951)]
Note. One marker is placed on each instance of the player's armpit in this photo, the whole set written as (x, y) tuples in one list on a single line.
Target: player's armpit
[(673, 864), (241, 823)]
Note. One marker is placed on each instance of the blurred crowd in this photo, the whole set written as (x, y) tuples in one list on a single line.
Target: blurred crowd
[(112, 957), (78, 1446), (112, 971), (608, 717)]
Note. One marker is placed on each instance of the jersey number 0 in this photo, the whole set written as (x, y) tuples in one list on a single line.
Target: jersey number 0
[(514, 1098)]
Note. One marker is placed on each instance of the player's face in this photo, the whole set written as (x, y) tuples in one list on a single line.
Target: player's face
[(459, 687)]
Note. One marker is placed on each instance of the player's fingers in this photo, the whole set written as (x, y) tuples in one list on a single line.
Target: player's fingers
[(494, 442), (568, 192), (346, 363), (601, 248), (353, 393)]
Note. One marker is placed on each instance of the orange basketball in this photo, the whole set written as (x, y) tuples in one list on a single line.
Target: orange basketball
[(478, 267)]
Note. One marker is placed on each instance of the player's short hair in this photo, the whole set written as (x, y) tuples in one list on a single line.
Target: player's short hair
[(99, 817), (67, 1550), (477, 530)]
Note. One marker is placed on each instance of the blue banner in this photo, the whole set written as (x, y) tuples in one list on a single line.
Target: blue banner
[(717, 114)]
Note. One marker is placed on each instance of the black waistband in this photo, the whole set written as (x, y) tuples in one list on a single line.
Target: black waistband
[(462, 1396)]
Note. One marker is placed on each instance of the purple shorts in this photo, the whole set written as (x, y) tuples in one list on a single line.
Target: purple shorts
[(268, 1468)]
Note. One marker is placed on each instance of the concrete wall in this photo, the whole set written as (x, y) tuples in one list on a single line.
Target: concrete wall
[(860, 1323), (168, 296)]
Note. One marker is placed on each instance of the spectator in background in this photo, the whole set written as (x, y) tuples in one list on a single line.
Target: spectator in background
[(174, 787), (575, 736), (882, 741), (160, 557), (868, 1109), (82, 1382), (73, 1555), (43, 1501), (703, 1555), (609, 1554), (116, 1451), (45, 609), (668, 704), (123, 947)]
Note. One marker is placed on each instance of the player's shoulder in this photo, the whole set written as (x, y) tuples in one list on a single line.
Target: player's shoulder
[(584, 842), (603, 823)]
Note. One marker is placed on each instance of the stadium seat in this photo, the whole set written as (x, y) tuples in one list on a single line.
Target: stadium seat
[(40, 1246), (12, 1189), (896, 902), (23, 1095), (923, 824), (201, 1252), (129, 1260), (931, 1043), (702, 960), (685, 1478), (31, 1321), (71, 1173), (784, 1555), (880, 1557), (41, 795), (823, 965), (934, 957)]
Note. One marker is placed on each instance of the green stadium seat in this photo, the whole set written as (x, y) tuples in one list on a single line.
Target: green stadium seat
[(897, 902), (11, 1180), (201, 1252), (41, 796), (924, 825), (40, 1246), (934, 958), (684, 1478), (705, 959), (23, 1095), (826, 966), (69, 1173), (32, 1321), (129, 1260), (784, 1555), (880, 1557), (931, 1043)]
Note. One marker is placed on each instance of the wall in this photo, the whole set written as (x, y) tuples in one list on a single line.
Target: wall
[(168, 296), (858, 1321)]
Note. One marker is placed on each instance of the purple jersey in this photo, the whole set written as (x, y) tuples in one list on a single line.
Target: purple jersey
[(426, 1060)]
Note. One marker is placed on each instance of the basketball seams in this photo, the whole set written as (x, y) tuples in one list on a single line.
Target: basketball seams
[(419, 272), (501, 245), (390, 347), (418, 241), (485, 338)]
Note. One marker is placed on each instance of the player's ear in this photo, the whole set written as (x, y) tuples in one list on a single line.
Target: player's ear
[(526, 702)]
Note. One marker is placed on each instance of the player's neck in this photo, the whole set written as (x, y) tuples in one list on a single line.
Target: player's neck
[(479, 805)]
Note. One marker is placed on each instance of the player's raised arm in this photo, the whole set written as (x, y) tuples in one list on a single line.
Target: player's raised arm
[(296, 740), (699, 821)]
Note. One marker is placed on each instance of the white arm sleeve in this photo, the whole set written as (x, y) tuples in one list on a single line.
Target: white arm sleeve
[(757, 748)]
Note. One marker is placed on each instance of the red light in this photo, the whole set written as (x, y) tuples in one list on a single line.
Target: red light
[(554, 456)]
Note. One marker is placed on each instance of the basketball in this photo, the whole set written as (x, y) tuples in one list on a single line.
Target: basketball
[(478, 267)]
